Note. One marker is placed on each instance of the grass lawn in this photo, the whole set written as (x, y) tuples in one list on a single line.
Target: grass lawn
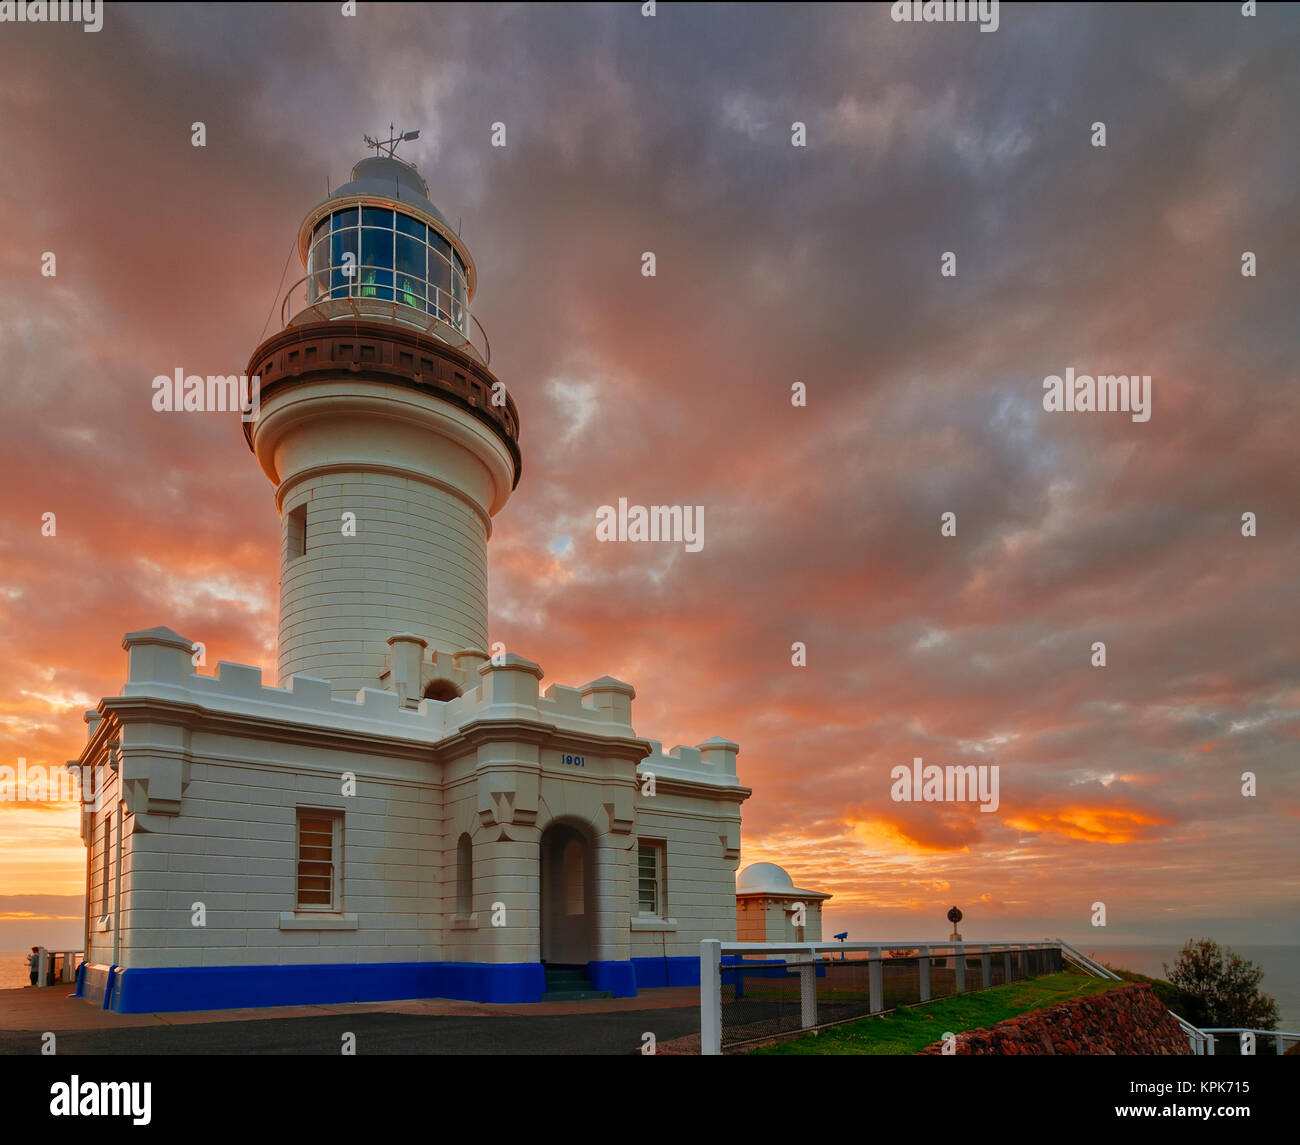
[(905, 1031)]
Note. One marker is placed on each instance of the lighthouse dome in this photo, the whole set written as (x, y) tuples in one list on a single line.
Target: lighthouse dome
[(388, 177)]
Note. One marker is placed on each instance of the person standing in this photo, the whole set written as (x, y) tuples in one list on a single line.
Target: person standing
[(34, 961)]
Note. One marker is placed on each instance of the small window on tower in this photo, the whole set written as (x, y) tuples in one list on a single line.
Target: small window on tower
[(296, 524)]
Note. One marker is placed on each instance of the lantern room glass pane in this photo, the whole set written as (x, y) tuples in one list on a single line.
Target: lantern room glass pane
[(318, 258), (377, 217), (410, 256), (460, 307), (440, 244), (439, 286), (376, 248), (410, 291), (343, 243), (376, 283), (318, 273), (410, 271), (409, 226), (341, 219)]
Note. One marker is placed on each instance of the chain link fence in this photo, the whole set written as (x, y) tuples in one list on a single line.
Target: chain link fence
[(763, 993)]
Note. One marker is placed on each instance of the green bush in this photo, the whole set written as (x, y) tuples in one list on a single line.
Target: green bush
[(1222, 987)]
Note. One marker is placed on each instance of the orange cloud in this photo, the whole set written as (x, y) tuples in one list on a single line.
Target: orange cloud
[(1090, 824), (885, 835)]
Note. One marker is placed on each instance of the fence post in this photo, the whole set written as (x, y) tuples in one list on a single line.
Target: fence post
[(1209, 1046), (960, 960), (923, 968), (1006, 964), (710, 997), (986, 965), (808, 993), (1280, 1044), (876, 979)]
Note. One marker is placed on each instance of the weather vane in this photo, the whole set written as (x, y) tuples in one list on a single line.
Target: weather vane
[(394, 138)]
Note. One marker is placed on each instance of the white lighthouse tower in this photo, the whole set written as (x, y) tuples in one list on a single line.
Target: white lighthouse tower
[(390, 443), (401, 815)]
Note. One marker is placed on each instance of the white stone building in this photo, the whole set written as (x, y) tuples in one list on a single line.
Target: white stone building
[(401, 815)]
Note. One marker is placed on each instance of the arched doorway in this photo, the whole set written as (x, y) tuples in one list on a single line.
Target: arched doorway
[(567, 913)]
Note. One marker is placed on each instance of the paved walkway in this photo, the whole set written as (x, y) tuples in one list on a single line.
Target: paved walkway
[(425, 1025)]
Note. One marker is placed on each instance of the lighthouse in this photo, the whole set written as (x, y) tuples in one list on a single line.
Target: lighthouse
[(405, 812), (390, 443)]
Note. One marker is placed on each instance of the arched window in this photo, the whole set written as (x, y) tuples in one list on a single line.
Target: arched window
[(441, 690), (464, 876)]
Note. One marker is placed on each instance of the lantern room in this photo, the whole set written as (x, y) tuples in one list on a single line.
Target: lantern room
[(378, 248)]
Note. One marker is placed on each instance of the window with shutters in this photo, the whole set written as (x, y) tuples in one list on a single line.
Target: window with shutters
[(650, 877), (320, 851)]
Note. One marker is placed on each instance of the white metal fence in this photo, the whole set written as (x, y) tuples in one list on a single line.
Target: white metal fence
[(1246, 1037)]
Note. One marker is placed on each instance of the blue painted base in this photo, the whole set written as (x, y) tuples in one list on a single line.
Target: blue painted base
[(490, 981), (159, 990), (678, 970), (617, 977)]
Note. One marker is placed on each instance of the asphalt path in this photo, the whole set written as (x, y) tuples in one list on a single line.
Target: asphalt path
[(616, 1032)]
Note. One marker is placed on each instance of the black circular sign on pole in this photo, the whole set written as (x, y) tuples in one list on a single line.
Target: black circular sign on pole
[(954, 916)]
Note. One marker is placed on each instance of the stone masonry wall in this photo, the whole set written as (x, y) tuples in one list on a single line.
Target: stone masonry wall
[(1126, 1020)]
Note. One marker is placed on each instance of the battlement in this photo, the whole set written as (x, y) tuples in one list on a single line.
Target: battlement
[(713, 761), (160, 667)]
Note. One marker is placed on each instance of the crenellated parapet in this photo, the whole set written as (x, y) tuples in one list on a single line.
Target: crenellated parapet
[(492, 694), (713, 761)]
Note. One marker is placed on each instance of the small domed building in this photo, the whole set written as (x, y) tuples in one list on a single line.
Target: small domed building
[(767, 907)]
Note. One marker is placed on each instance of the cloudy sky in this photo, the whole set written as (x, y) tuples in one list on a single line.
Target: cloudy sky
[(776, 264)]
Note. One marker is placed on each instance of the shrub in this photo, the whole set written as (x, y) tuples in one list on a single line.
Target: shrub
[(1222, 986)]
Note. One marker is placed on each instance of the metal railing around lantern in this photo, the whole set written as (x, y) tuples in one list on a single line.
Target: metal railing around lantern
[(380, 292)]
